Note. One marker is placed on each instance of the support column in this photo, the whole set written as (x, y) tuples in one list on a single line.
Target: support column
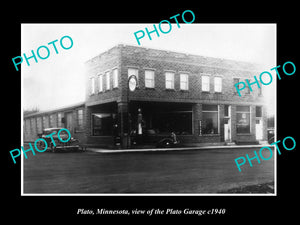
[(221, 122), (265, 123), (123, 123), (197, 115)]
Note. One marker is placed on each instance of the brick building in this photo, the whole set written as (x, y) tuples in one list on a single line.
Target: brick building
[(193, 96)]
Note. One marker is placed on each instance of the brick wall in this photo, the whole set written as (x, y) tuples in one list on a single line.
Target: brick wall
[(194, 66)]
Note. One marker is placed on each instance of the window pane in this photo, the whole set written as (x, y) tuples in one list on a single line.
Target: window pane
[(100, 83), (184, 81), (178, 122), (242, 108), (169, 80), (258, 111), (115, 78), (210, 108), (80, 118), (149, 83), (210, 122), (92, 85), (102, 124), (149, 78), (107, 80), (52, 120), (226, 110), (39, 125), (235, 81), (243, 122), (133, 71), (59, 117), (205, 83), (218, 84)]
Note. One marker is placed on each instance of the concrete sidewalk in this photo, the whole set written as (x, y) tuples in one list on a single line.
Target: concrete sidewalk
[(102, 150)]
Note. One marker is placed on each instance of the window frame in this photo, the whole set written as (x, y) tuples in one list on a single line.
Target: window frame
[(218, 85), (181, 75), (100, 83), (205, 85), (218, 118), (92, 124), (59, 119), (152, 80), (234, 83), (115, 77), (170, 80), (247, 112), (93, 86), (107, 81), (79, 120)]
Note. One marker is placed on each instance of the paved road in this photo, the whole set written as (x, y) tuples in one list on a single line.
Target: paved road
[(202, 171)]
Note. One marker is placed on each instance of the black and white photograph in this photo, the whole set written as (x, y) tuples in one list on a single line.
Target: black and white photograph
[(173, 115), (130, 113)]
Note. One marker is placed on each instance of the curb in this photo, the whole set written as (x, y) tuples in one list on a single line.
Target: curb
[(175, 149)]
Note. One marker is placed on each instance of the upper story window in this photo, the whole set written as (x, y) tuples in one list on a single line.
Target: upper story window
[(115, 78), (169, 80), (184, 82), (235, 81), (100, 82), (218, 84), (248, 86), (92, 85), (210, 119), (149, 78), (107, 76), (133, 71), (205, 83)]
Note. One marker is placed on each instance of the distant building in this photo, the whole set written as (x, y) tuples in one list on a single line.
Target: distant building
[(192, 96)]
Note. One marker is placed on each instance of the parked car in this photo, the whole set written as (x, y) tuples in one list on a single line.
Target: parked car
[(72, 144), (168, 142), (156, 138)]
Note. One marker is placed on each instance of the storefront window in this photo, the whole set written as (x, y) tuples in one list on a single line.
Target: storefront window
[(178, 122), (102, 124), (210, 115), (243, 119)]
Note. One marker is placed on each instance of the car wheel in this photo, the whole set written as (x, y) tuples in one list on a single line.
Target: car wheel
[(42, 146), (165, 143), (52, 148)]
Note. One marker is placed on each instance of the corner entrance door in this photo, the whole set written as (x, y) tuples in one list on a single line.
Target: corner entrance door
[(258, 129), (227, 123), (227, 130)]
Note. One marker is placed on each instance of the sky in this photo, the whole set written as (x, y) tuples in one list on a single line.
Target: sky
[(58, 81)]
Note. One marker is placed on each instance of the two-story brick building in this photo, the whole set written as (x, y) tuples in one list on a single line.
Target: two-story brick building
[(192, 96)]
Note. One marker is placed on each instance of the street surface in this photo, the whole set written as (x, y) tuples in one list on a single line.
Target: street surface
[(192, 171)]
